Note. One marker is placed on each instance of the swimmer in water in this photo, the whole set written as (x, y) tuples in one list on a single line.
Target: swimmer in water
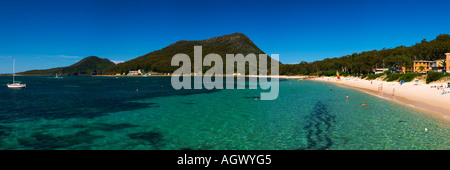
[(365, 104), (346, 96)]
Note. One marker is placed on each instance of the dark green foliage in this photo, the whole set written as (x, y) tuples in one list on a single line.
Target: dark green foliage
[(88, 66), (344, 74), (160, 60), (364, 76), (399, 77), (362, 63), (387, 72), (409, 76), (373, 76), (392, 77), (330, 73), (434, 76)]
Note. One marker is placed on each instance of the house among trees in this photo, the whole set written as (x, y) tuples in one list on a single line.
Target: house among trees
[(406, 70), (423, 66), (379, 70), (447, 62)]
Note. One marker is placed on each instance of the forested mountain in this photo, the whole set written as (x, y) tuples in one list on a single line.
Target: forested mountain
[(160, 60), (88, 66), (363, 62)]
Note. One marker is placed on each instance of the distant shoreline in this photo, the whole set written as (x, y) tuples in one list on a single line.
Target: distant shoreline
[(281, 76), (85, 75)]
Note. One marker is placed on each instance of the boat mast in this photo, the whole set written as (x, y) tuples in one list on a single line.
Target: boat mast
[(14, 64)]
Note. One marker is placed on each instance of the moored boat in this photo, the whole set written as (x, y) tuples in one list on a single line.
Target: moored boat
[(16, 84)]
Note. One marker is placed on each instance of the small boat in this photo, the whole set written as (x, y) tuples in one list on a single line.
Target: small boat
[(338, 77), (58, 77), (16, 84)]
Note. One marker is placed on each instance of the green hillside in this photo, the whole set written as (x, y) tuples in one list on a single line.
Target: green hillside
[(362, 63), (88, 66), (159, 61)]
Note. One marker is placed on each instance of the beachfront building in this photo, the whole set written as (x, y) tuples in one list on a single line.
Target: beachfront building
[(134, 73), (437, 65), (421, 66), (151, 73), (406, 70), (379, 70), (447, 61)]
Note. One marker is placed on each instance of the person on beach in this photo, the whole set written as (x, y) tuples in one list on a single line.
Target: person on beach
[(381, 88)]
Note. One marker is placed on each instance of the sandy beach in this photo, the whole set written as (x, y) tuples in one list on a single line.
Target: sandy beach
[(418, 95)]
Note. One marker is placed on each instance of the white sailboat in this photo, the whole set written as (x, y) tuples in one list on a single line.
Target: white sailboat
[(16, 84)]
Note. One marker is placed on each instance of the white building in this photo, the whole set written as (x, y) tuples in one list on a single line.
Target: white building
[(135, 73), (380, 70)]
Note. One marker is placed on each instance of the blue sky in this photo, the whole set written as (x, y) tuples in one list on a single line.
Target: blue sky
[(43, 34)]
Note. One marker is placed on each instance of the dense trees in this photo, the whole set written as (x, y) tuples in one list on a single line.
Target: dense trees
[(433, 76), (160, 60), (362, 63)]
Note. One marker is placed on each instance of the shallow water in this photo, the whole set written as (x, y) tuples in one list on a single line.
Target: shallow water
[(147, 113)]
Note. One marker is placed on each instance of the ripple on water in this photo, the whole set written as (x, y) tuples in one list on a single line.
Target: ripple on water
[(307, 115)]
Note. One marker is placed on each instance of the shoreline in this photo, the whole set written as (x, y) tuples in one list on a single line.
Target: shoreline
[(419, 96)]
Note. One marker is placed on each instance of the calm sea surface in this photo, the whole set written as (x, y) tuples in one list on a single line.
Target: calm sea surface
[(147, 113)]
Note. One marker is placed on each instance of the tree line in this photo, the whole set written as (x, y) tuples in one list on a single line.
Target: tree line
[(364, 62)]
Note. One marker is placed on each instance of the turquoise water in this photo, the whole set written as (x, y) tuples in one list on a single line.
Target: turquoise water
[(110, 113)]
